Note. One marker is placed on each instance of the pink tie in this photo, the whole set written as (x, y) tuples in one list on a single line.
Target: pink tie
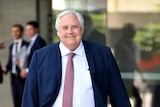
[(68, 84)]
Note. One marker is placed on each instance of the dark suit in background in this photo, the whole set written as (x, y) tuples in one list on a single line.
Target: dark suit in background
[(95, 36), (17, 83), (126, 55), (44, 78), (39, 43), (91, 33)]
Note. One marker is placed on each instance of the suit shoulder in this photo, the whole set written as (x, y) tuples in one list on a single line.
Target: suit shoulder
[(97, 49), (25, 42), (94, 45), (48, 49), (10, 46), (41, 40)]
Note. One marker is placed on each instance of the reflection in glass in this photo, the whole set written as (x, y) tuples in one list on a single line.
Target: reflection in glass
[(126, 54), (146, 18)]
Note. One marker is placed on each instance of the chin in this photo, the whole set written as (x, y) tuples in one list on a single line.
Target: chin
[(72, 46)]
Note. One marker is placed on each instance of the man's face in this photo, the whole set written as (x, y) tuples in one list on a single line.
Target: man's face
[(70, 31), (16, 33), (31, 31)]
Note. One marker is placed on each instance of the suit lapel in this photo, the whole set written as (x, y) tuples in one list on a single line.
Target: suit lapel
[(11, 47), (55, 59), (90, 59), (59, 62), (34, 44), (23, 43)]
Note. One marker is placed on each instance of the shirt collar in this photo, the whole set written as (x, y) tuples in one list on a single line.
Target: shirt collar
[(34, 37), (65, 51), (18, 40)]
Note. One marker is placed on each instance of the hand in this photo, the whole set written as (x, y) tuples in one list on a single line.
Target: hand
[(1, 45), (23, 74), (17, 62), (4, 71)]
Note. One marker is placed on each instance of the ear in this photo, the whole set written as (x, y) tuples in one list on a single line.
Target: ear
[(58, 33)]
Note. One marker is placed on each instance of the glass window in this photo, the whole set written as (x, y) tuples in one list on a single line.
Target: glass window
[(134, 36)]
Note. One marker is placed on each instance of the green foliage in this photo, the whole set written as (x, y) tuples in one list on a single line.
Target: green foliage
[(148, 38), (99, 21)]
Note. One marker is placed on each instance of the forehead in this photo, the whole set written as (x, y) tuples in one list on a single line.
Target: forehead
[(15, 28), (30, 27), (68, 19)]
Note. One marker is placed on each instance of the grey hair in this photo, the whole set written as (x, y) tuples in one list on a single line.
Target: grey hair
[(78, 15)]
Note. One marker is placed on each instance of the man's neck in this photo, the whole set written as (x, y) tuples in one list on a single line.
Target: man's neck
[(34, 37)]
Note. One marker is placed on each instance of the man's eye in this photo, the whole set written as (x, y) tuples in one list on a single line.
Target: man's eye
[(65, 27), (75, 26)]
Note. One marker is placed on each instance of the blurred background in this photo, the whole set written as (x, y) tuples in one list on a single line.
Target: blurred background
[(131, 28)]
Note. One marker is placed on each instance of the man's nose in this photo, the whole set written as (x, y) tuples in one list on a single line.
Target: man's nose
[(70, 30)]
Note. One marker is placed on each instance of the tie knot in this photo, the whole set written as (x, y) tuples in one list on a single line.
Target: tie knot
[(71, 55)]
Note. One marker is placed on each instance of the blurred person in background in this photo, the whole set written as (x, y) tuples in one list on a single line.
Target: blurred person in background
[(36, 42), (1, 74), (17, 82), (91, 33), (125, 54)]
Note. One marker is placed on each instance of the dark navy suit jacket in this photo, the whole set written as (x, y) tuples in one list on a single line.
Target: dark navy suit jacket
[(45, 72), (39, 43)]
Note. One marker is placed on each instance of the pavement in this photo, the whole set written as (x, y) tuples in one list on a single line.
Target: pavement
[(5, 93)]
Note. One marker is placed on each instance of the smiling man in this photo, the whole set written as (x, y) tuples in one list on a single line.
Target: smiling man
[(73, 73)]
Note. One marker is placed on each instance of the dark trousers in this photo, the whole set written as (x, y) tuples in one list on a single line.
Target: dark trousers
[(138, 100), (17, 85), (133, 91), (156, 97)]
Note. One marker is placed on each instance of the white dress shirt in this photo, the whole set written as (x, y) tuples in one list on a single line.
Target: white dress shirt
[(14, 54), (33, 39), (83, 95)]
